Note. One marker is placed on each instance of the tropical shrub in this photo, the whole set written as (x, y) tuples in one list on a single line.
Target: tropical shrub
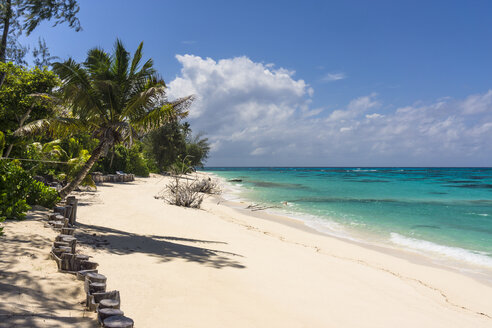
[(14, 182), (136, 163), (43, 154), (40, 194), (128, 160), (18, 190)]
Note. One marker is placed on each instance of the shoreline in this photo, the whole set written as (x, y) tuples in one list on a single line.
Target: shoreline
[(480, 273), (384, 260), (217, 267), (399, 252)]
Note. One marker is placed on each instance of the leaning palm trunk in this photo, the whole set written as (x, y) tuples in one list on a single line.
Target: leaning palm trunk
[(115, 98), (96, 154)]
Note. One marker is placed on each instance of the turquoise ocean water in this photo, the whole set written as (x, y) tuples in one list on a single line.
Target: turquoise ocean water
[(446, 212)]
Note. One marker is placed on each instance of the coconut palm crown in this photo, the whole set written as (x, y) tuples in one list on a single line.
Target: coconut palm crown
[(114, 97)]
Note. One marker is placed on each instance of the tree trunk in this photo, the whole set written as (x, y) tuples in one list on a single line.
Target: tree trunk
[(96, 154), (5, 33), (9, 149)]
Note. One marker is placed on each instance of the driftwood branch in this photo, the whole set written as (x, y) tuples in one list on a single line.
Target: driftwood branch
[(257, 207)]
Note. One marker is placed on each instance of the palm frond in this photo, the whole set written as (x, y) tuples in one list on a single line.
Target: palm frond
[(44, 97), (120, 62), (136, 59), (163, 114), (155, 118), (116, 96), (58, 126), (138, 104), (33, 128), (77, 89), (97, 62), (182, 105)]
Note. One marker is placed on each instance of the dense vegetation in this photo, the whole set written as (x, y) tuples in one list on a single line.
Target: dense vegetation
[(111, 115), (18, 190), (174, 143), (108, 113)]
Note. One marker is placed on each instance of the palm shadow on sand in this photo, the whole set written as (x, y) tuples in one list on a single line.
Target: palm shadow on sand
[(166, 248), (24, 300)]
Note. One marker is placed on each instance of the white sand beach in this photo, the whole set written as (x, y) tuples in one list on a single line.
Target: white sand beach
[(32, 291), (218, 267)]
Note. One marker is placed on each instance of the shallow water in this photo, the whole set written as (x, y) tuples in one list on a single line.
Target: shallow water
[(444, 211)]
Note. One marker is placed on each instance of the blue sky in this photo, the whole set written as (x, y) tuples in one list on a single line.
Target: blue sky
[(300, 81)]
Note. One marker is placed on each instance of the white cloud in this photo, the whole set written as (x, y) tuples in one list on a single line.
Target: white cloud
[(374, 116), (330, 77), (259, 151), (256, 114), (355, 108), (475, 104)]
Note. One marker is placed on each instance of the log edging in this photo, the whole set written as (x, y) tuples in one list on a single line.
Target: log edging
[(98, 177), (107, 304)]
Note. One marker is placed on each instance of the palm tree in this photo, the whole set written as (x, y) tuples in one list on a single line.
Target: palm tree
[(114, 97)]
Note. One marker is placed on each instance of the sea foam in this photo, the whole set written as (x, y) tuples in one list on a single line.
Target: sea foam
[(455, 253)]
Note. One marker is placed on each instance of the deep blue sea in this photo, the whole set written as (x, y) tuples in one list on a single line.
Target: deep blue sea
[(446, 212)]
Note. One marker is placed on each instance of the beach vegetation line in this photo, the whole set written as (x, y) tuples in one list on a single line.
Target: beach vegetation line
[(60, 121), (114, 97)]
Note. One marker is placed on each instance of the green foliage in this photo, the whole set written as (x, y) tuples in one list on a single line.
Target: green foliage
[(74, 144), (18, 190), (197, 149), (40, 194), (24, 98), (137, 163), (114, 97), (165, 145), (128, 160), (181, 166), (47, 151), (174, 142), (71, 150), (75, 165), (77, 151), (14, 183)]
